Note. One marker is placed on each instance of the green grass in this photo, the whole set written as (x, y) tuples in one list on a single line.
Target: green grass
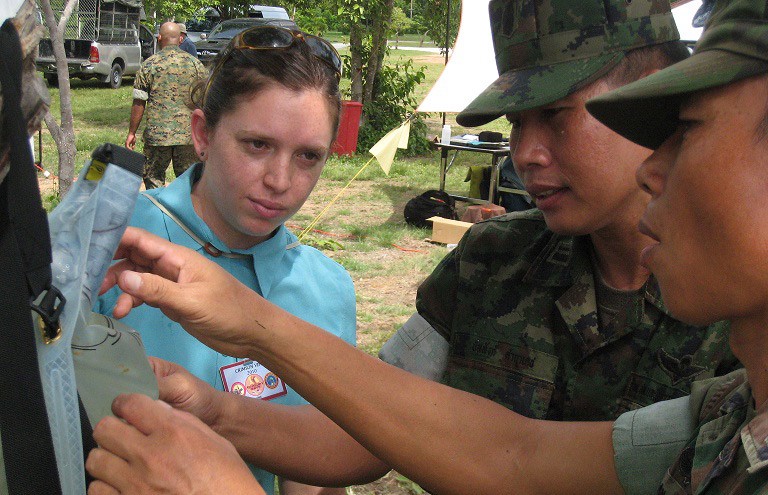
[(100, 115), (406, 39)]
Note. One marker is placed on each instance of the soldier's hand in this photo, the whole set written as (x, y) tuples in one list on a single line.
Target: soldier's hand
[(130, 141), (189, 289)]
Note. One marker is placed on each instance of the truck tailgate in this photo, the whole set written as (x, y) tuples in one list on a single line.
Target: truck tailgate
[(75, 50)]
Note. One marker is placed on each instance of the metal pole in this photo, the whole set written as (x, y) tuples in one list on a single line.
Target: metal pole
[(447, 35), (447, 27)]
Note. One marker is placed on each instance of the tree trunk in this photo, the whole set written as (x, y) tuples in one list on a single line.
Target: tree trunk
[(356, 61), (66, 152), (64, 136), (379, 30)]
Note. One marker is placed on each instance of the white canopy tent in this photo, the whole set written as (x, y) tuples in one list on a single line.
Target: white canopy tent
[(472, 66), (684, 13)]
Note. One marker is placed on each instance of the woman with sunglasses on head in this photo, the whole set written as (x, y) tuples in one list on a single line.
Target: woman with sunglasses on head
[(263, 128)]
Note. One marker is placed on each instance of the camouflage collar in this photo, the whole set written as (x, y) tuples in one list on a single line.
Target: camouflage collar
[(562, 260), (735, 423), (755, 438)]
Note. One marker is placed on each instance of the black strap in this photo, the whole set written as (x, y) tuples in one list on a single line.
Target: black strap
[(87, 432), (25, 256)]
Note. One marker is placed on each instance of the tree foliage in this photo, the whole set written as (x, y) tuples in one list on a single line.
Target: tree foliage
[(313, 20), (393, 103), (433, 18), (162, 10), (400, 23)]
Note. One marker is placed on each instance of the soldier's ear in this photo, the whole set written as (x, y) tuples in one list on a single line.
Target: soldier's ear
[(200, 133)]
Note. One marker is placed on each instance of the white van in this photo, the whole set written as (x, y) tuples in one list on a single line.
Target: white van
[(267, 12)]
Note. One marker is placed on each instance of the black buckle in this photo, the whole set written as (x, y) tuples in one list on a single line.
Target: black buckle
[(49, 310)]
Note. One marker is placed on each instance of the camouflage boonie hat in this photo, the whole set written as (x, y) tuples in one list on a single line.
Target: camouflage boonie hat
[(733, 46), (547, 49)]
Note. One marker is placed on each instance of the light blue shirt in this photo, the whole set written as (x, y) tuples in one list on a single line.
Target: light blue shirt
[(298, 278)]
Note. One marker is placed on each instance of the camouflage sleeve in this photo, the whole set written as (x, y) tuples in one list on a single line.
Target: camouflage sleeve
[(417, 348), (141, 83), (202, 72), (436, 296), (647, 441)]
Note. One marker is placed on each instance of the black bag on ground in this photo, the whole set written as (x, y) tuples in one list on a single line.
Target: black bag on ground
[(432, 203)]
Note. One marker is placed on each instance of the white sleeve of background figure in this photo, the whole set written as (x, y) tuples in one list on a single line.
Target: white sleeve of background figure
[(417, 348)]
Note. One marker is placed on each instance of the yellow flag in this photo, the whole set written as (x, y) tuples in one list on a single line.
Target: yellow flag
[(384, 149)]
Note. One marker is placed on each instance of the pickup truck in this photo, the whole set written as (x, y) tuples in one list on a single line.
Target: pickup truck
[(103, 39)]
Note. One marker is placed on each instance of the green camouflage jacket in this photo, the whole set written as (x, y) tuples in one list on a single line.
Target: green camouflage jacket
[(164, 82), (729, 452), (517, 305)]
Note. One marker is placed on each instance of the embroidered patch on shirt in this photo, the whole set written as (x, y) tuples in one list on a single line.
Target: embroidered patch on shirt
[(678, 369)]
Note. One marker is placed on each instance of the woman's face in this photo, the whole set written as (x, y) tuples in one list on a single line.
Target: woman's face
[(261, 162), (709, 207)]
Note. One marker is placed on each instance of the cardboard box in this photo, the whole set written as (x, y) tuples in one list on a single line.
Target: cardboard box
[(476, 213), (447, 231)]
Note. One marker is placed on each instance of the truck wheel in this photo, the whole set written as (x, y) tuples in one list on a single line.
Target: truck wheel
[(115, 76), (52, 80)]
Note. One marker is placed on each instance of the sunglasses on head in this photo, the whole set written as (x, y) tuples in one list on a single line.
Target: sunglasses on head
[(276, 38)]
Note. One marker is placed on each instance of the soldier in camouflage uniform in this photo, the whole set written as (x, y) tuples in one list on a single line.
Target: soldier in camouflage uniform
[(707, 119), (162, 87), (547, 312)]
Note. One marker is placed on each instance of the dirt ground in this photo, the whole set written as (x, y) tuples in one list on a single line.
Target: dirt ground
[(397, 288)]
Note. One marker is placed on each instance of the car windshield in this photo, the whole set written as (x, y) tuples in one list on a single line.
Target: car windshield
[(228, 30), (201, 24)]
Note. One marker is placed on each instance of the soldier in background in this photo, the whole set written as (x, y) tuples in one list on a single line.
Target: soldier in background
[(186, 44), (549, 312), (162, 88)]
